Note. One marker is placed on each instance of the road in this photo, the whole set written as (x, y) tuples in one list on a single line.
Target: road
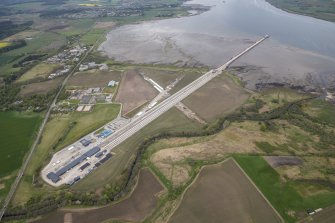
[(38, 137), (141, 121)]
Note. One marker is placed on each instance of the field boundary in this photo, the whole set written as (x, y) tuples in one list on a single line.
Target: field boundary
[(188, 187), (259, 191), (78, 210), (219, 163)]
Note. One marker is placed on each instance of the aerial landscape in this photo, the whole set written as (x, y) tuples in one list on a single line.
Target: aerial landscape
[(172, 111)]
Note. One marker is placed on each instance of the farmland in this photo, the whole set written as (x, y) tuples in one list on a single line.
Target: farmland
[(223, 192), (136, 207), (41, 70), (166, 75), (93, 78), (17, 133), (318, 9), (283, 195), (134, 91), (325, 216), (4, 44), (40, 87), (222, 96)]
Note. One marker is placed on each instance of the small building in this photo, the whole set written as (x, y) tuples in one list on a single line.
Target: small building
[(103, 67), (80, 108), (87, 108), (96, 90), (112, 83), (85, 142), (83, 67), (83, 167), (86, 99)]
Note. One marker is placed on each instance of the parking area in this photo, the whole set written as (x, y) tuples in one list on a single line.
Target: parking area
[(77, 160)]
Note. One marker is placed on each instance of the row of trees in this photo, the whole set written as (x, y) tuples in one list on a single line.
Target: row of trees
[(13, 45)]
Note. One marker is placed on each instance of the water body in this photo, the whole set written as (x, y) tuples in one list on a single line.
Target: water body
[(301, 50)]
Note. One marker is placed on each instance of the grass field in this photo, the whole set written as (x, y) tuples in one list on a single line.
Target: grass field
[(16, 135), (42, 42), (93, 78), (321, 110), (91, 36), (283, 195), (40, 87), (134, 91), (319, 9), (220, 192), (60, 131), (78, 27), (188, 78), (41, 70), (4, 44), (222, 96), (163, 76), (17, 131), (171, 121)]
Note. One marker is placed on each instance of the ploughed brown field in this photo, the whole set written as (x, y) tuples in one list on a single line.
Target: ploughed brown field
[(219, 97), (222, 193), (134, 91), (134, 208), (325, 216)]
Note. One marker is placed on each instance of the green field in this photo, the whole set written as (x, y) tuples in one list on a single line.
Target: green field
[(323, 9), (16, 135), (43, 42), (283, 195), (4, 44), (42, 70), (322, 110)]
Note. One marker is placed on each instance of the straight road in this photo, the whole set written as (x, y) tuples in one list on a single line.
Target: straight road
[(38, 137), (139, 122)]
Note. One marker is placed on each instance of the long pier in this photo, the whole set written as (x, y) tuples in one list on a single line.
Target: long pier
[(138, 123)]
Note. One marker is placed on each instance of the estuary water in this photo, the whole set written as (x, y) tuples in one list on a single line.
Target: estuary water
[(301, 50)]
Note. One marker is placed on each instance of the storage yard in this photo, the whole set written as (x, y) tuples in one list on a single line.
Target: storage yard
[(78, 159)]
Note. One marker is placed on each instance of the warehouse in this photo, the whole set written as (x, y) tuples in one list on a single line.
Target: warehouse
[(85, 142), (54, 177)]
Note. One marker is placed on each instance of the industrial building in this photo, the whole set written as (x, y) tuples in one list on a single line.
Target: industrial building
[(55, 177), (85, 142)]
